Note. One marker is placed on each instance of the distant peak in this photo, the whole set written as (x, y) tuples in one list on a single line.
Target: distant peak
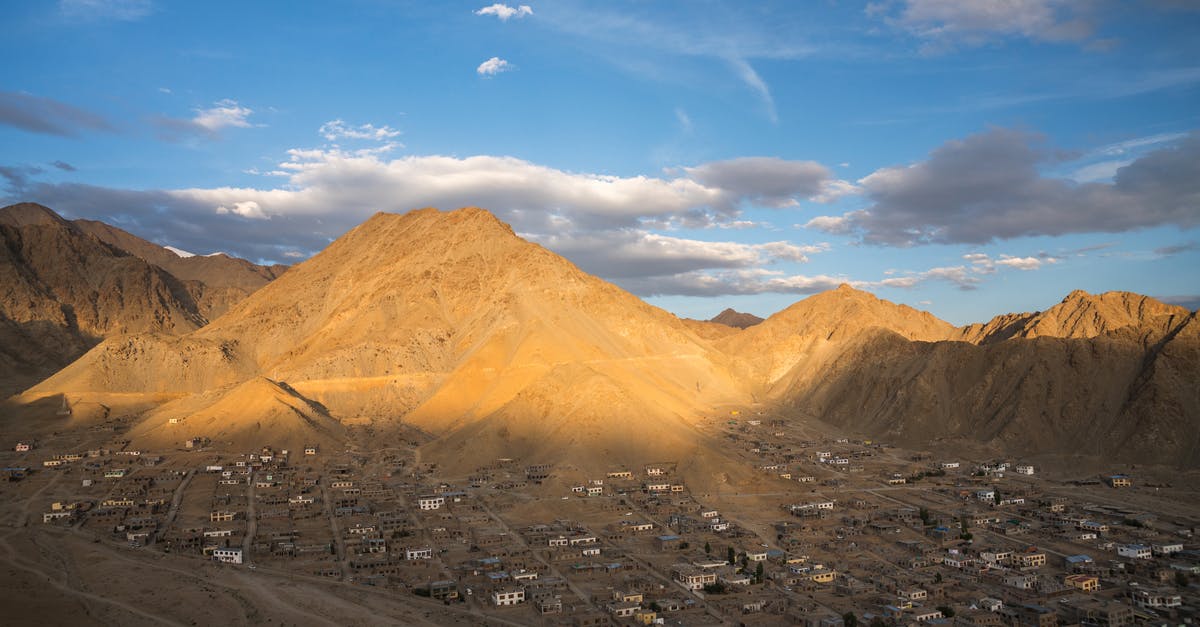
[(29, 213), (733, 318)]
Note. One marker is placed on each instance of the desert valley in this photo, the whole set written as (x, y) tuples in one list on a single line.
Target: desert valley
[(435, 421)]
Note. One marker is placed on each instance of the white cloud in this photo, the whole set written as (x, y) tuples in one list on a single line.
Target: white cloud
[(982, 263), (623, 253), (494, 66), (244, 208), (1100, 171), (1024, 263), (334, 130), (223, 114), (959, 276), (505, 12)]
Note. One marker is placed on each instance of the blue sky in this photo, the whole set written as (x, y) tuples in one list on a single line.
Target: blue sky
[(965, 157)]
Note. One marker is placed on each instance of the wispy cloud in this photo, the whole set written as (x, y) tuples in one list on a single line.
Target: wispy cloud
[(47, 116), (335, 130), (685, 120), (756, 83), (632, 40), (1175, 249), (122, 10)]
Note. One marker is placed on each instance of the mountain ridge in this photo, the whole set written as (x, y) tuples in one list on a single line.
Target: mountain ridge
[(449, 323)]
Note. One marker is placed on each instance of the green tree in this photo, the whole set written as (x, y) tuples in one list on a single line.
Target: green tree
[(925, 516), (1181, 579), (946, 611), (849, 619), (731, 556), (707, 548), (758, 573)]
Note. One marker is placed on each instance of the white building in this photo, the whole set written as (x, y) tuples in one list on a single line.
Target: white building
[(423, 553), (1135, 551), (228, 555), (508, 596), (1169, 548), (431, 502), (1024, 469)]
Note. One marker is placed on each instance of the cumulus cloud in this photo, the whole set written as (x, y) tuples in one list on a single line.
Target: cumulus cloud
[(505, 12), (959, 276), (757, 280), (627, 253), (47, 116), (945, 24), (731, 283), (494, 66), (335, 130), (208, 122), (770, 181), (987, 187), (315, 195)]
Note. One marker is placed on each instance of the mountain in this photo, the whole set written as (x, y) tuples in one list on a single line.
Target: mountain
[(796, 343), (65, 290), (448, 322), (1104, 376), (215, 282), (736, 319), (243, 417), (1082, 315)]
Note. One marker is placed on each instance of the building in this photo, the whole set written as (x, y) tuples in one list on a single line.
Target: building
[(1030, 560), (1153, 599), (508, 596), (228, 555), (443, 590), (691, 577), (1024, 469), (1085, 583), (1134, 551), (1118, 481), (23, 447), (422, 553), (431, 502), (1166, 548)]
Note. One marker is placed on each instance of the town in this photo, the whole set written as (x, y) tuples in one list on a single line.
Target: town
[(839, 532)]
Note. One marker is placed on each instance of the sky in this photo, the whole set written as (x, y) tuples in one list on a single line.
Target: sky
[(965, 157)]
